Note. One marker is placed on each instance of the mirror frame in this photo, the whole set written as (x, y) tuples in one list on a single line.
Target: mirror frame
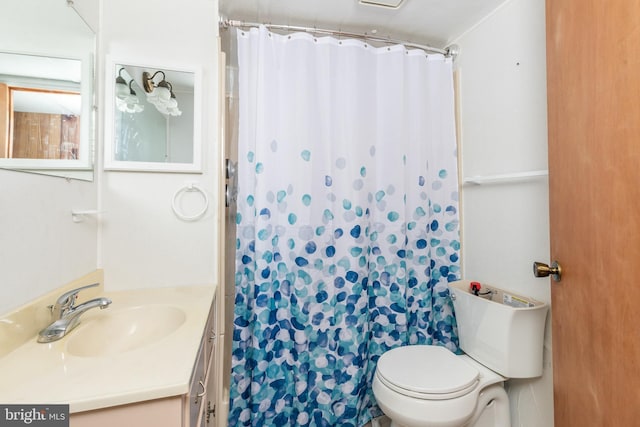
[(110, 164)]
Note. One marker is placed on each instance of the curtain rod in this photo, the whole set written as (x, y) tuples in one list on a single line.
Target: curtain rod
[(450, 51)]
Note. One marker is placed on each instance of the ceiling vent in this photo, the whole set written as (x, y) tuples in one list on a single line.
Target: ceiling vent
[(391, 4)]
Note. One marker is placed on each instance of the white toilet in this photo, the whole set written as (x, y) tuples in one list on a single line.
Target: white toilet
[(502, 335)]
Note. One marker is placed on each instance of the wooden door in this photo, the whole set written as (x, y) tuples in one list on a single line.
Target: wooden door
[(593, 72), (4, 121), (36, 135)]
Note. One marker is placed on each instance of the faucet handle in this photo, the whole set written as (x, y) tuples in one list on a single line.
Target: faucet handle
[(66, 300)]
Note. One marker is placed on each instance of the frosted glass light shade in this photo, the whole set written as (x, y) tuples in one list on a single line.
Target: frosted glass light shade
[(130, 105), (122, 89)]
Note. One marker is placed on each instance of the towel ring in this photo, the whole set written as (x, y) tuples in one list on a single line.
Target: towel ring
[(189, 187)]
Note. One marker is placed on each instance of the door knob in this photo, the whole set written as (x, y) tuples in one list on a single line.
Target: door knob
[(541, 269)]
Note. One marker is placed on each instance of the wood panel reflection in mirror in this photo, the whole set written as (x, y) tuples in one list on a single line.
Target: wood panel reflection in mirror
[(153, 119), (41, 124)]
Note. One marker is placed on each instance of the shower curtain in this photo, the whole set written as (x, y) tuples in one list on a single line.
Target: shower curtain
[(347, 224)]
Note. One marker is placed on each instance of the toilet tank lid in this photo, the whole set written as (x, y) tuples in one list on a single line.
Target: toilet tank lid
[(427, 369)]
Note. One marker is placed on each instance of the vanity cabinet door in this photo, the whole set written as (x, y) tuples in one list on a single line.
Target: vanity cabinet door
[(212, 370), (212, 384), (165, 412), (210, 332), (200, 403)]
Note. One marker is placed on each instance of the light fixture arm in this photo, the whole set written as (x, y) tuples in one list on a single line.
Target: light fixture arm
[(165, 83), (120, 79), (133, 92), (147, 80)]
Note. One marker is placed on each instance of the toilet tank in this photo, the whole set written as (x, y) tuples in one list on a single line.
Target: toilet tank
[(501, 330)]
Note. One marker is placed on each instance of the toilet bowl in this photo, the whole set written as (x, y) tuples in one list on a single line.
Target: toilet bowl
[(429, 386), (440, 390)]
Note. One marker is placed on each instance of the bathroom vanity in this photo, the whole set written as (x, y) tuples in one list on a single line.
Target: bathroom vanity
[(149, 359), (193, 409)]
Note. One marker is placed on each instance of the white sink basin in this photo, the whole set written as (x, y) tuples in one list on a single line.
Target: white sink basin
[(113, 331)]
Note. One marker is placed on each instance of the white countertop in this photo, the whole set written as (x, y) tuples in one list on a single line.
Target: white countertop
[(37, 373)]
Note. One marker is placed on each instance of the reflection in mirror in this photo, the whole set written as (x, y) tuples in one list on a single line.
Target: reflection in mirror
[(46, 96), (154, 119), (40, 117), (43, 125)]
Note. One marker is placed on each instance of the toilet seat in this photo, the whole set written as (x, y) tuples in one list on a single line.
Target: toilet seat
[(438, 374)]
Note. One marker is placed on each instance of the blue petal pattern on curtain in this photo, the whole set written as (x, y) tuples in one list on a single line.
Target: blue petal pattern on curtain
[(347, 223)]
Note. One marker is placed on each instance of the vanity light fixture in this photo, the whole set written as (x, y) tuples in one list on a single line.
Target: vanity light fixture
[(160, 94), (126, 98)]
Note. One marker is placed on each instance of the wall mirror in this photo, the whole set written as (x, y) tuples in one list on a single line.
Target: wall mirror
[(153, 118), (46, 89)]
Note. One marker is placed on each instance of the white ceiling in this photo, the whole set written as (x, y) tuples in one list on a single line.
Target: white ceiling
[(433, 22)]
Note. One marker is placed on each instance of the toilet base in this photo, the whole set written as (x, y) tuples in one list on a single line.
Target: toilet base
[(492, 410), (495, 414)]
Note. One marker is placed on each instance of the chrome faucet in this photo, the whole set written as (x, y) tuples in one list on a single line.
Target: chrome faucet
[(67, 315)]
